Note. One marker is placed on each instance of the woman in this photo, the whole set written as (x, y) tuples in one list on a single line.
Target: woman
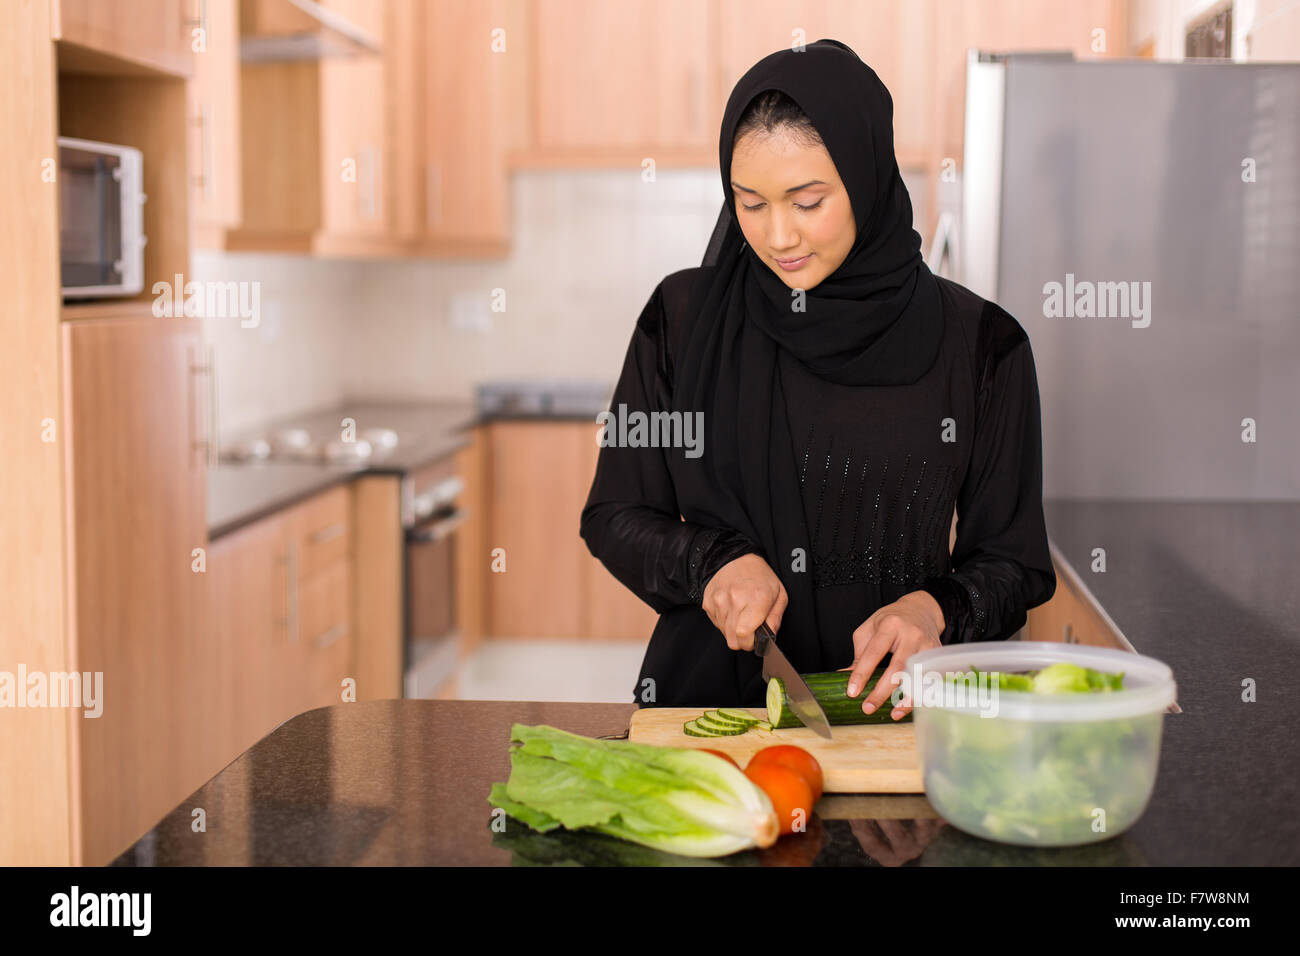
[(849, 399)]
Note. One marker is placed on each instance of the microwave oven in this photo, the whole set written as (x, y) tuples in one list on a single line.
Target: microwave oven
[(101, 219)]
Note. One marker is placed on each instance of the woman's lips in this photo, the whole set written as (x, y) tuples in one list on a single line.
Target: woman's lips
[(791, 265)]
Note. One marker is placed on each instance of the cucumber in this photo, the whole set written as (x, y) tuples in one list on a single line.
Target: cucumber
[(743, 716), (829, 688)]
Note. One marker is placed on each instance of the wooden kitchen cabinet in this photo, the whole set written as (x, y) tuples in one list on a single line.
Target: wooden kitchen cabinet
[(465, 125), (318, 542), (1071, 615), (651, 93), (314, 138), (890, 37), (151, 34), (282, 613), (213, 103), (538, 477), (247, 581), (447, 102), (612, 611), (138, 612), (537, 481)]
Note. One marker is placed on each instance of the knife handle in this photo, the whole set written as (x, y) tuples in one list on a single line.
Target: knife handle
[(762, 637)]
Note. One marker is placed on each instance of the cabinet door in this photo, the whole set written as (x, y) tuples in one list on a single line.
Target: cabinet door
[(631, 75), (466, 80), (537, 480), (406, 60), (892, 38), (155, 33), (247, 580), (612, 611), (137, 484), (213, 101), (353, 143)]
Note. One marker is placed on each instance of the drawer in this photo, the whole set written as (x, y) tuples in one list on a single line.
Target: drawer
[(325, 608), (327, 630), (320, 532)]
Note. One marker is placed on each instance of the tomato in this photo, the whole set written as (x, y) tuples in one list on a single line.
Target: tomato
[(718, 753), (791, 796), (798, 759)]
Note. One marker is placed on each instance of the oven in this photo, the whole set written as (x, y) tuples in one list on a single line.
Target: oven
[(431, 516)]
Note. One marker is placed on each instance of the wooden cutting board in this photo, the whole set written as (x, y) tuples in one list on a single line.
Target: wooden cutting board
[(868, 758)]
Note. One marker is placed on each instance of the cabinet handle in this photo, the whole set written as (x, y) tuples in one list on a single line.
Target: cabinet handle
[(201, 21), (330, 636), (205, 151), (207, 443), (329, 533), (432, 195), (214, 420)]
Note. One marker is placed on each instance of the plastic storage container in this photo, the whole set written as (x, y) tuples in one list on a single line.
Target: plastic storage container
[(1041, 769)]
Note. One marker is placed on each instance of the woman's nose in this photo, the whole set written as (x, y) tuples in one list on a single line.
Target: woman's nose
[(781, 233)]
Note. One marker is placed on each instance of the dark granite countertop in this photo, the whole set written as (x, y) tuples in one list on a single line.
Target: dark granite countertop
[(1210, 588), (1206, 587)]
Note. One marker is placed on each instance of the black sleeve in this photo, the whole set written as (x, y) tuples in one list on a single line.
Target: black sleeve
[(1001, 560), (632, 521)]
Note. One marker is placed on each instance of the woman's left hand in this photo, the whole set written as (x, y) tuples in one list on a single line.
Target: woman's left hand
[(912, 623)]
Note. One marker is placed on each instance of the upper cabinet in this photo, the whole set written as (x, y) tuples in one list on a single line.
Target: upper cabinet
[(313, 134), (892, 38), (470, 57), (154, 35), (614, 82), (213, 104)]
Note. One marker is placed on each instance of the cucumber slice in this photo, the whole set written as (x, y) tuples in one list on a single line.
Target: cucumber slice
[(692, 729), (763, 725), (717, 729), (718, 717), (744, 716)]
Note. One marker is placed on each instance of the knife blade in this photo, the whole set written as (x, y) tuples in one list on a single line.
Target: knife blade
[(802, 701)]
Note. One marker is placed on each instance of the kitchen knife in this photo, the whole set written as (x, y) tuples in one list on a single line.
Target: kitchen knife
[(802, 701)]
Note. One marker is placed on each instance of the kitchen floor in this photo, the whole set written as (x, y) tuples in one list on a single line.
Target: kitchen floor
[(587, 671)]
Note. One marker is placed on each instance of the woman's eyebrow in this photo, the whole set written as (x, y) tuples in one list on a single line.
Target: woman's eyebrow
[(792, 189)]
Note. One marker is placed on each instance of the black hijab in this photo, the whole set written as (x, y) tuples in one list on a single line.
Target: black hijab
[(875, 320)]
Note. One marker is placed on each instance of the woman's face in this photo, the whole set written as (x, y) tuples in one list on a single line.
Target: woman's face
[(791, 205)]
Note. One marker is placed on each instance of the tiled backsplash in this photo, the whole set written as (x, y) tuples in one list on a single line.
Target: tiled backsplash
[(589, 248)]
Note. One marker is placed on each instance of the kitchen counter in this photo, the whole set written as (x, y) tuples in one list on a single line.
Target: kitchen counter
[(1206, 587), (240, 493), (1210, 588)]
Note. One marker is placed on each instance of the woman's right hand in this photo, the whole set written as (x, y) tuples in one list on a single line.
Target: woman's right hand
[(740, 596)]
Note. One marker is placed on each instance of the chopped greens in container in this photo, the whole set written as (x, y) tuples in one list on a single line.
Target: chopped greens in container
[(1040, 781)]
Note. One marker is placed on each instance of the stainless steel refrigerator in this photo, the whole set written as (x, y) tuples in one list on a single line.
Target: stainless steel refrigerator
[(1141, 220)]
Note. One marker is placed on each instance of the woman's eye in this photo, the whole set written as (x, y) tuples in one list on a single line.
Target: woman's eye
[(796, 206)]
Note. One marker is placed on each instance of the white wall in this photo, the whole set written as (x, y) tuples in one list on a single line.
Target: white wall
[(589, 247)]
